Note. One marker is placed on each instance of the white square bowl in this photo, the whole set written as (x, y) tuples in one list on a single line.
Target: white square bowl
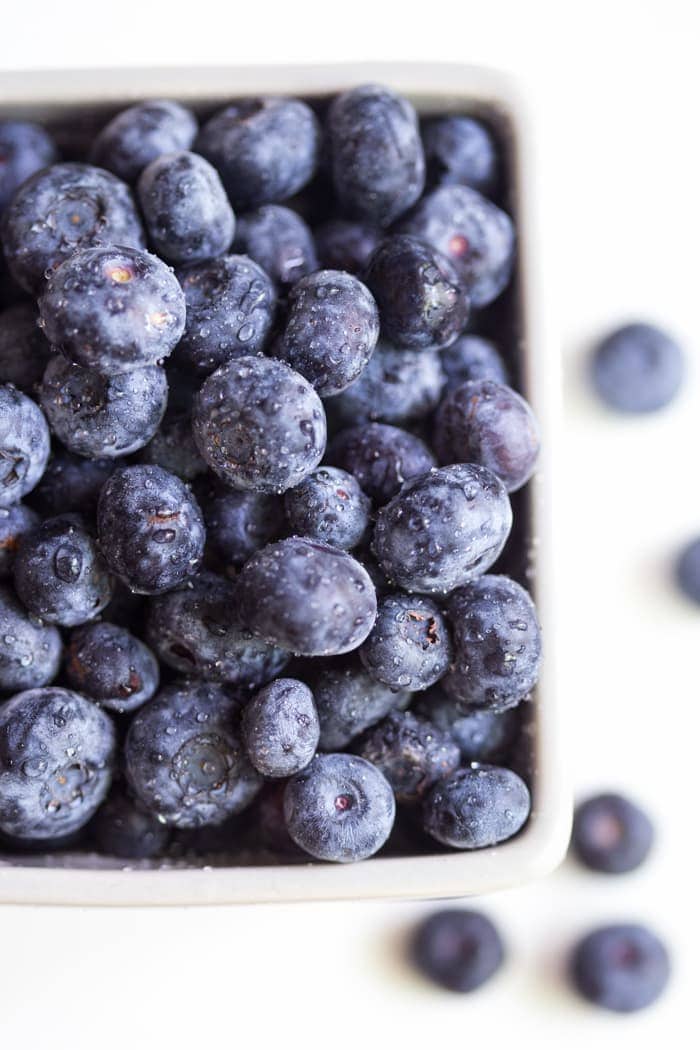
[(89, 880)]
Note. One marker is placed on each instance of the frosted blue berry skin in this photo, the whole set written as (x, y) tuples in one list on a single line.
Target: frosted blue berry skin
[(279, 240), (111, 666), (123, 828), (623, 968), (15, 521), (397, 387), (238, 523), (409, 646), (411, 752), (30, 651), (139, 134), (280, 728), (349, 700), (24, 445), (346, 245), (25, 148), (471, 358), (460, 150), (329, 506), (481, 735), (476, 807), (24, 352)]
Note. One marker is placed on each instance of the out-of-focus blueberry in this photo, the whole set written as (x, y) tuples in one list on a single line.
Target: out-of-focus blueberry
[(139, 134), (279, 240), (457, 949), (611, 834), (638, 368), (396, 386), (688, 570), (471, 358), (345, 245), (624, 968), (460, 150), (24, 352), (25, 148)]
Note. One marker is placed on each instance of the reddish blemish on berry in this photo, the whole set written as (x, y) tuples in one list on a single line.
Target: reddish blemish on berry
[(343, 803), (458, 245)]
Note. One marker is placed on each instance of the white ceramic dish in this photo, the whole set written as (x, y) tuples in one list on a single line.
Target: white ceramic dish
[(540, 846)]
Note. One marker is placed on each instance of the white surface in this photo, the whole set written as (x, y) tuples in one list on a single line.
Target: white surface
[(615, 96)]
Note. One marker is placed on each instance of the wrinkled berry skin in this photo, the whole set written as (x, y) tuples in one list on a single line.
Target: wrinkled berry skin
[(638, 368), (497, 644), (279, 240), (396, 386), (185, 760), (488, 423), (24, 149), (688, 571), (409, 646), (197, 630), (56, 753), (60, 210), (475, 807), (339, 808), (280, 728), (139, 134), (481, 735), (103, 417), (624, 968), (59, 573), (30, 651), (470, 359), (259, 425), (111, 666), (329, 506), (265, 149), (24, 352), (173, 448), (113, 309), (381, 457), (150, 529), (345, 245), (24, 445), (474, 234), (457, 949), (230, 309), (411, 753), (460, 150), (123, 828), (443, 529), (187, 214), (376, 154), (611, 834), (15, 521), (240, 523), (348, 701), (307, 597), (332, 329), (421, 303)]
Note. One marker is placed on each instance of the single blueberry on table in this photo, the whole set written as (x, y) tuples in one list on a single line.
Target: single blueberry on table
[(139, 134), (409, 646), (638, 368), (624, 967), (411, 753), (113, 309), (475, 807), (150, 529), (56, 754), (307, 597), (345, 245), (481, 735), (611, 834), (30, 651), (688, 571), (24, 445), (60, 210), (349, 700), (339, 808), (395, 387), (460, 150), (457, 949), (280, 728), (123, 828), (329, 506), (24, 352), (381, 457), (110, 665), (71, 483), (239, 523), (185, 759), (471, 358), (15, 521), (25, 148), (279, 240)]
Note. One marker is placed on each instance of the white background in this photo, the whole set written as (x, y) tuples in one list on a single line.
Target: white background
[(614, 89)]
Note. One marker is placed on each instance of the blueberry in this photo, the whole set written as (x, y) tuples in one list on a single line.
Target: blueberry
[(24, 149), (396, 386), (498, 645), (475, 807), (185, 760), (348, 701), (460, 150), (265, 149), (622, 968), (409, 646), (30, 651), (421, 303), (240, 523), (59, 573), (280, 728), (111, 666), (15, 521), (24, 445), (345, 245), (113, 309), (611, 834), (24, 352), (381, 457), (187, 214), (173, 448), (475, 235), (123, 828), (376, 154), (339, 808), (198, 630), (150, 529), (259, 425), (638, 368), (457, 949), (103, 417), (61, 209), (411, 753), (279, 240), (139, 134), (471, 358), (230, 310), (488, 423), (331, 331), (688, 571), (329, 506), (56, 752), (443, 529), (268, 831), (481, 735), (307, 597)]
